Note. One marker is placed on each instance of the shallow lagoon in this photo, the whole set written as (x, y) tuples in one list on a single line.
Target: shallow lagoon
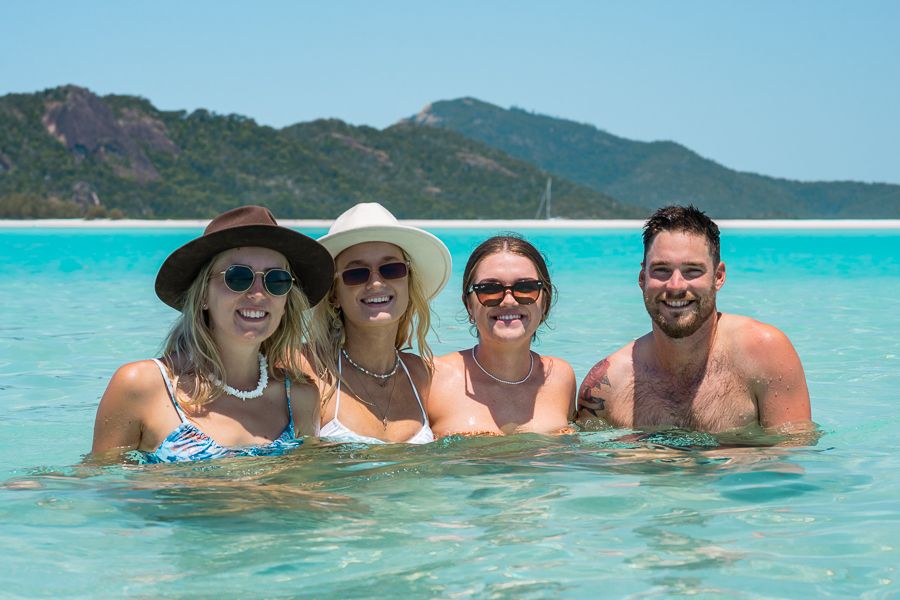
[(526, 516)]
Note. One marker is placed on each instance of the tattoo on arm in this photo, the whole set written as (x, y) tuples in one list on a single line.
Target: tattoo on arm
[(591, 401)]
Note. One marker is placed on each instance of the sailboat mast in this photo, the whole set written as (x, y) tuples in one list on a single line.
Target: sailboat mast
[(549, 195), (544, 205)]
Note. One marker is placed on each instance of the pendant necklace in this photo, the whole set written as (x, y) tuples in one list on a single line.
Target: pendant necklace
[(374, 404)]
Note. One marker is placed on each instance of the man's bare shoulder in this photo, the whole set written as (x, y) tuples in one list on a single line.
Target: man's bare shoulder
[(598, 390), (773, 370), (760, 345)]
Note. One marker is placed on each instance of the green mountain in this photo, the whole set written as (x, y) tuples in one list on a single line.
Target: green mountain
[(656, 173), (66, 152)]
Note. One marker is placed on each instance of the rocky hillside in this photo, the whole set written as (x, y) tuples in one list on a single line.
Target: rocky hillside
[(67, 152)]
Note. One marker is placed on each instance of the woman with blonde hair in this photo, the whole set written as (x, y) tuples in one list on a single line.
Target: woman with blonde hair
[(228, 382), (373, 389)]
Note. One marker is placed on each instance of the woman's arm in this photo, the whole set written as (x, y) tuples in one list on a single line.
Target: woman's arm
[(305, 407), (119, 421)]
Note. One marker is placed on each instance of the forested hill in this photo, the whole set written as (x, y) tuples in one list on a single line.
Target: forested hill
[(66, 152), (656, 173)]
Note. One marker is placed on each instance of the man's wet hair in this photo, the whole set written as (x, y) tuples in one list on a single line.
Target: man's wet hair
[(688, 219)]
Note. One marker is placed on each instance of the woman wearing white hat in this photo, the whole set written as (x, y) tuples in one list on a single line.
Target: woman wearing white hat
[(372, 391)]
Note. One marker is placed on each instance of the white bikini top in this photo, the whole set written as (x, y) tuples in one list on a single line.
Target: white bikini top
[(336, 431)]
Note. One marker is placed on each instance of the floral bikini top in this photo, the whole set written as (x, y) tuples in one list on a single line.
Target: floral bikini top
[(188, 442)]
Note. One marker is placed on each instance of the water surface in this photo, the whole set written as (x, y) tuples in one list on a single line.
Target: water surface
[(526, 516)]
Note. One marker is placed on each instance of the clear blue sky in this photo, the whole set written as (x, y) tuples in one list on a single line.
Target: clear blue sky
[(803, 89)]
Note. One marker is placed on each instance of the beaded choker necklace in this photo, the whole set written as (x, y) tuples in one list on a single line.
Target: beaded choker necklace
[(383, 377), (248, 395), (485, 371)]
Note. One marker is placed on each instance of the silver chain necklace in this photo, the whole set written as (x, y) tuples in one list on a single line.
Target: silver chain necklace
[(248, 395), (485, 371), (381, 376)]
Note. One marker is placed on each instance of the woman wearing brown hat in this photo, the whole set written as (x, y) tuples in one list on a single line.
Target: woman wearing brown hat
[(228, 383), (372, 390)]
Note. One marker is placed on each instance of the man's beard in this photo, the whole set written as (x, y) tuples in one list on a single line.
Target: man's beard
[(689, 321)]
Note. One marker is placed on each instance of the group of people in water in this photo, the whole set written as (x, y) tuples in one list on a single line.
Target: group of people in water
[(281, 336)]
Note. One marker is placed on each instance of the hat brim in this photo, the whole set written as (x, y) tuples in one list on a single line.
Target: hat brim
[(310, 262), (429, 256)]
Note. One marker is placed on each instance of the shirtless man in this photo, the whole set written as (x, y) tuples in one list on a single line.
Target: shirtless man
[(698, 369)]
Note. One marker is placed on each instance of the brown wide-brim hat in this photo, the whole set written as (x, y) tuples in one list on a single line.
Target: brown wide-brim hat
[(310, 262)]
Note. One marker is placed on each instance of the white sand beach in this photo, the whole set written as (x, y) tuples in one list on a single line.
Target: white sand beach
[(491, 224)]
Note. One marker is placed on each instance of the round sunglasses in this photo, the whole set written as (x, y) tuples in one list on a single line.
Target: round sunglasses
[(240, 278), (491, 293), (361, 275)]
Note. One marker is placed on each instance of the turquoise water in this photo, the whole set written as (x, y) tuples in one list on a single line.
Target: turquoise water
[(526, 516)]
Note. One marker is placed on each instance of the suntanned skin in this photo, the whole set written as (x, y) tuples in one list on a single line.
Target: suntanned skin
[(464, 400), (136, 412), (382, 409), (729, 373)]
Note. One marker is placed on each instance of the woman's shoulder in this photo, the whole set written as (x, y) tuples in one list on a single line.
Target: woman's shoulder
[(557, 366), (138, 376), (558, 371), (132, 385), (451, 363)]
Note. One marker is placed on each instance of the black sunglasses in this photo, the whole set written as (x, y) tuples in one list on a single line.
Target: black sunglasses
[(239, 278), (491, 293), (360, 275)]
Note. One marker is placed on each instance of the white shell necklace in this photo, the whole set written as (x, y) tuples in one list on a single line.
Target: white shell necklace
[(260, 385), (485, 371)]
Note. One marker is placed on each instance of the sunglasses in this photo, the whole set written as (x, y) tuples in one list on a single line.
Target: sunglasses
[(491, 293), (361, 275), (240, 278)]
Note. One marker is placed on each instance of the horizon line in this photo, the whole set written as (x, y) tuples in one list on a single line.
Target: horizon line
[(501, 224)]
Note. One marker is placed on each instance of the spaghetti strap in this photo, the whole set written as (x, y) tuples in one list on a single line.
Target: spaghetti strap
[(287, 393), (415, 391), (337, 400), (171, 390)]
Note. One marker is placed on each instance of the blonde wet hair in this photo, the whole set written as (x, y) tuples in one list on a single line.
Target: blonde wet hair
[(328, 321), (190, 345)]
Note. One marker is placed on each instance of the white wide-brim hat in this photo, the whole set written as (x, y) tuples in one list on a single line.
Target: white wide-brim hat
[(371, 222)]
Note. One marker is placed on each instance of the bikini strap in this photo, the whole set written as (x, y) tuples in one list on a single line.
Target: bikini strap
[(165, 376), (337, 400), (415, 391), (287, 392)]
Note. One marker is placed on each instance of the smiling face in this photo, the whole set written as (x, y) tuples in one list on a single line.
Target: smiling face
[(680, 282), (509, 320), (251, 316), (378, 301)]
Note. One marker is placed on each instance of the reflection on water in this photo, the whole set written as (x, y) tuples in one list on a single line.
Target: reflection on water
[(519, 516)]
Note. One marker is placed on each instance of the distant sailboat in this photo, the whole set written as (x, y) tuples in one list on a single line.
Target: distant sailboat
[(546, 198)]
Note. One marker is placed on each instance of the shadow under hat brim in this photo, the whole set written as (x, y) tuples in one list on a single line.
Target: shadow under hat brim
[(310, 262), (429, 256)]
